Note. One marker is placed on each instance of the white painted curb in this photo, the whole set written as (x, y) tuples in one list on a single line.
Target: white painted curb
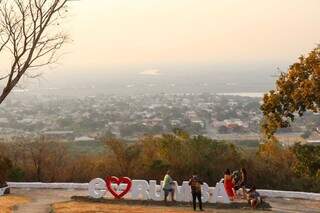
[(39, 185), (289, 194)]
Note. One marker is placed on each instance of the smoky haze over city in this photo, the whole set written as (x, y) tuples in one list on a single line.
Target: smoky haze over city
[(168, 64), (102, 100), (164, 79), (160, 46)]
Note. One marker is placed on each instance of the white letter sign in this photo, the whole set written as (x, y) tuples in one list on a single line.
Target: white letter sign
[(144, 190)]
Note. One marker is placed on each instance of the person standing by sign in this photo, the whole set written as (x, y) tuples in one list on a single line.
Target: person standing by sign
[(195, 184), (229, 185), (168, 187), (243, 183)]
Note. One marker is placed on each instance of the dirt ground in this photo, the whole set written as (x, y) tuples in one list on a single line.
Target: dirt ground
[(277, 205), (7, 203), (43, 201), (85, 207)]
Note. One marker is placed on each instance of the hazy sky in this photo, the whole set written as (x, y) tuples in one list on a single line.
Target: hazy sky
[(229, 42), (109, 33)]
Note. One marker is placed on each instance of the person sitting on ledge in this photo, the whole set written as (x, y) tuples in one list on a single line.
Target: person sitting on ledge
[(168, 187), (195, 184), (254, 198)]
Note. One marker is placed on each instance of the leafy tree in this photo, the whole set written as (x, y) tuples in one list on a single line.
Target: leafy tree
[(123, 155), (272, 158), (297, 91), (181, 133), (309, 159), (5, 166)]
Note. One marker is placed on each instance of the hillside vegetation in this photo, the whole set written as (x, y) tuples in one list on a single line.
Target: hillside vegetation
[(271, 167)]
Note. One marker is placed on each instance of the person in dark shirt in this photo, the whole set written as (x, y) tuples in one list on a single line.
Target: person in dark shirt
[(243, 182), (195, 184)]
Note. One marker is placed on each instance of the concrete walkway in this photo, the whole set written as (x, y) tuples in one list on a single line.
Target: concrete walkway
[(41, 200)]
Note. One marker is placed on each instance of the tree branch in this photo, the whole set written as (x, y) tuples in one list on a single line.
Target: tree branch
[(29, 34)]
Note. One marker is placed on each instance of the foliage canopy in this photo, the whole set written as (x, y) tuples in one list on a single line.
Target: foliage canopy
[(297, 91)]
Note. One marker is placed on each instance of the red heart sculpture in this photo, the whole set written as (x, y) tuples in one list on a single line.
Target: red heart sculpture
[(112, 179)]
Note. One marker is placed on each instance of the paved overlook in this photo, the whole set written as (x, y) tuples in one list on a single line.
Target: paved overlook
[(59, 201)]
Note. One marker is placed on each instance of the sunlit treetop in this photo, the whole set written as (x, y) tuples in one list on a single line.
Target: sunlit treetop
[(297, 91)]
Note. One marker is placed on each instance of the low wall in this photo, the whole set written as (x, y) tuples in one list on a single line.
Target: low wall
[(84, 186), (289, 194), (40, 185)]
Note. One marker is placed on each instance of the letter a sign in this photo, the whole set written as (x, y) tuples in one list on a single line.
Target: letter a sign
[(220, 194)]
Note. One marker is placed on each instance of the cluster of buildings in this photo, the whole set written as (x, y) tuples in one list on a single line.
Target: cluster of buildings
[(130, 117)]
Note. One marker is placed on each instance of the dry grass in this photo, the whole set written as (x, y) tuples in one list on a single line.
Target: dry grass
[(9, 201)]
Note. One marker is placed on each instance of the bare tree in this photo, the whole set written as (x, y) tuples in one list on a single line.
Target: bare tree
[(30, 36)]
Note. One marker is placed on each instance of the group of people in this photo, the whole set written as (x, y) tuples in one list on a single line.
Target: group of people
[(235, 181), (239, 180), (232, 183)]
